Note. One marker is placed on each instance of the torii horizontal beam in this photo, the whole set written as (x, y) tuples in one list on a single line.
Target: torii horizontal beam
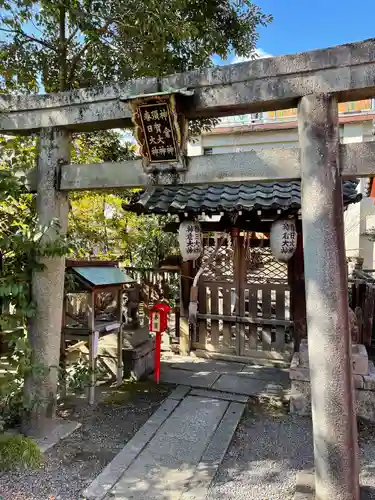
[(348, 71), (265, 165)]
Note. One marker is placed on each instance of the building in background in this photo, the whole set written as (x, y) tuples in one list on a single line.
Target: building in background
[(278, 129)]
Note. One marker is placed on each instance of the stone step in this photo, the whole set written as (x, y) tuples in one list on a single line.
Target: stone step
[(241, 383), (225, 396)]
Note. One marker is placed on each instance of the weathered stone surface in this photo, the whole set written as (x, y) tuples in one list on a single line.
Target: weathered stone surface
[(166, 466), (360, 359), (180, 392), (225, 396), (264, 84), (208, 365), (274, 375), (184, 377), (44, 333), (60, 429), (332, 388), (358, 381), (298, 371), (300, 398), (354, 330), (365, 404), (98, 489), (241, 385), (369, 379), (249, 166), (305, 488), (303, 353), (205, 472), (140, 360)]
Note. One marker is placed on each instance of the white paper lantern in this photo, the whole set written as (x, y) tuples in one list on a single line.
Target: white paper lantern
[(190, 240), (283, 239)]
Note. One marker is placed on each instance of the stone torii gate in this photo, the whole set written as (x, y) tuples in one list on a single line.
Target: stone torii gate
[(314, 82)]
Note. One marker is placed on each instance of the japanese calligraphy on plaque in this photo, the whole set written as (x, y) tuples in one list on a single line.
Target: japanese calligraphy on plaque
[(283, 239), (190, 240), (160, 130), (289, 238)]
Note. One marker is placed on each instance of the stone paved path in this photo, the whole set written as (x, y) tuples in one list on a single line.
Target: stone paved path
[(238, 378), (176, 454)]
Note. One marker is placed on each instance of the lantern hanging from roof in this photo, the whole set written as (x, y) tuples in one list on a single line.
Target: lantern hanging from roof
[(283, 239), (190, 240)]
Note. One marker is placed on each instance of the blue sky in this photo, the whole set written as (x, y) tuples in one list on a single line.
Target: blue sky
[(301, 25)]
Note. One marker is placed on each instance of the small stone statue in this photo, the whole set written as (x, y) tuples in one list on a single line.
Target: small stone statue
[(132, 306)]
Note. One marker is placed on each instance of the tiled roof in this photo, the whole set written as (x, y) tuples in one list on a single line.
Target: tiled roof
[(226, 198)]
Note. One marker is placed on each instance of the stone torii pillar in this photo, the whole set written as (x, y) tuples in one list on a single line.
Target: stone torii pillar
[(329, 342), (47, 284)]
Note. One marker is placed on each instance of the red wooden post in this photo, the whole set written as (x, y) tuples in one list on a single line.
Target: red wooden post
[(158, 325), (157, 356)]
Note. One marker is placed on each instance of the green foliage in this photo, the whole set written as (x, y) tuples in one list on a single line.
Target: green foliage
[(63, 45), (55, 45), (77, 376), (18, 451), (23, 244), (148, 244), (22, 240)]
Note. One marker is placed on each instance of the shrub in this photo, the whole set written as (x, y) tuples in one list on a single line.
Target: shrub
[(18, 451)]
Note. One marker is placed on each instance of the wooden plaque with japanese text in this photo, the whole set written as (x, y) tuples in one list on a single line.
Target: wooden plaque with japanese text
[(160, 144)]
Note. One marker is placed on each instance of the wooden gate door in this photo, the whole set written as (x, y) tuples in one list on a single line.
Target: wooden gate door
[(244, 304)]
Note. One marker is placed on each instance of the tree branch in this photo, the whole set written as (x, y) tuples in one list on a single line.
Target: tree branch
[(77, 57), (62, 49), (75, 61), (72, 35), (30, 38)]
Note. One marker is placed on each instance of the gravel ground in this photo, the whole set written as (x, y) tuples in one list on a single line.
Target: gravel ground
[(71, 465), (266, 454)]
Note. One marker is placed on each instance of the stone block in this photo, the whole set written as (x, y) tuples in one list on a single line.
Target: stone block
[(297, 371), (300, 398), (247, 386), (180, 392), (359, 359), (369, 380), (358, 381), (139, 361), (305, 486), (303, 353), (165, 342), (225, 396), (365, 404), (176, 376)]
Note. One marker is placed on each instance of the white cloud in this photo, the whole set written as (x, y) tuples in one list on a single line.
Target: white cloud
[(257, 54)]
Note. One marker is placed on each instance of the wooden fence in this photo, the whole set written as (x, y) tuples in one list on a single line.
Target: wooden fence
[(257, 319), (157, 285)]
